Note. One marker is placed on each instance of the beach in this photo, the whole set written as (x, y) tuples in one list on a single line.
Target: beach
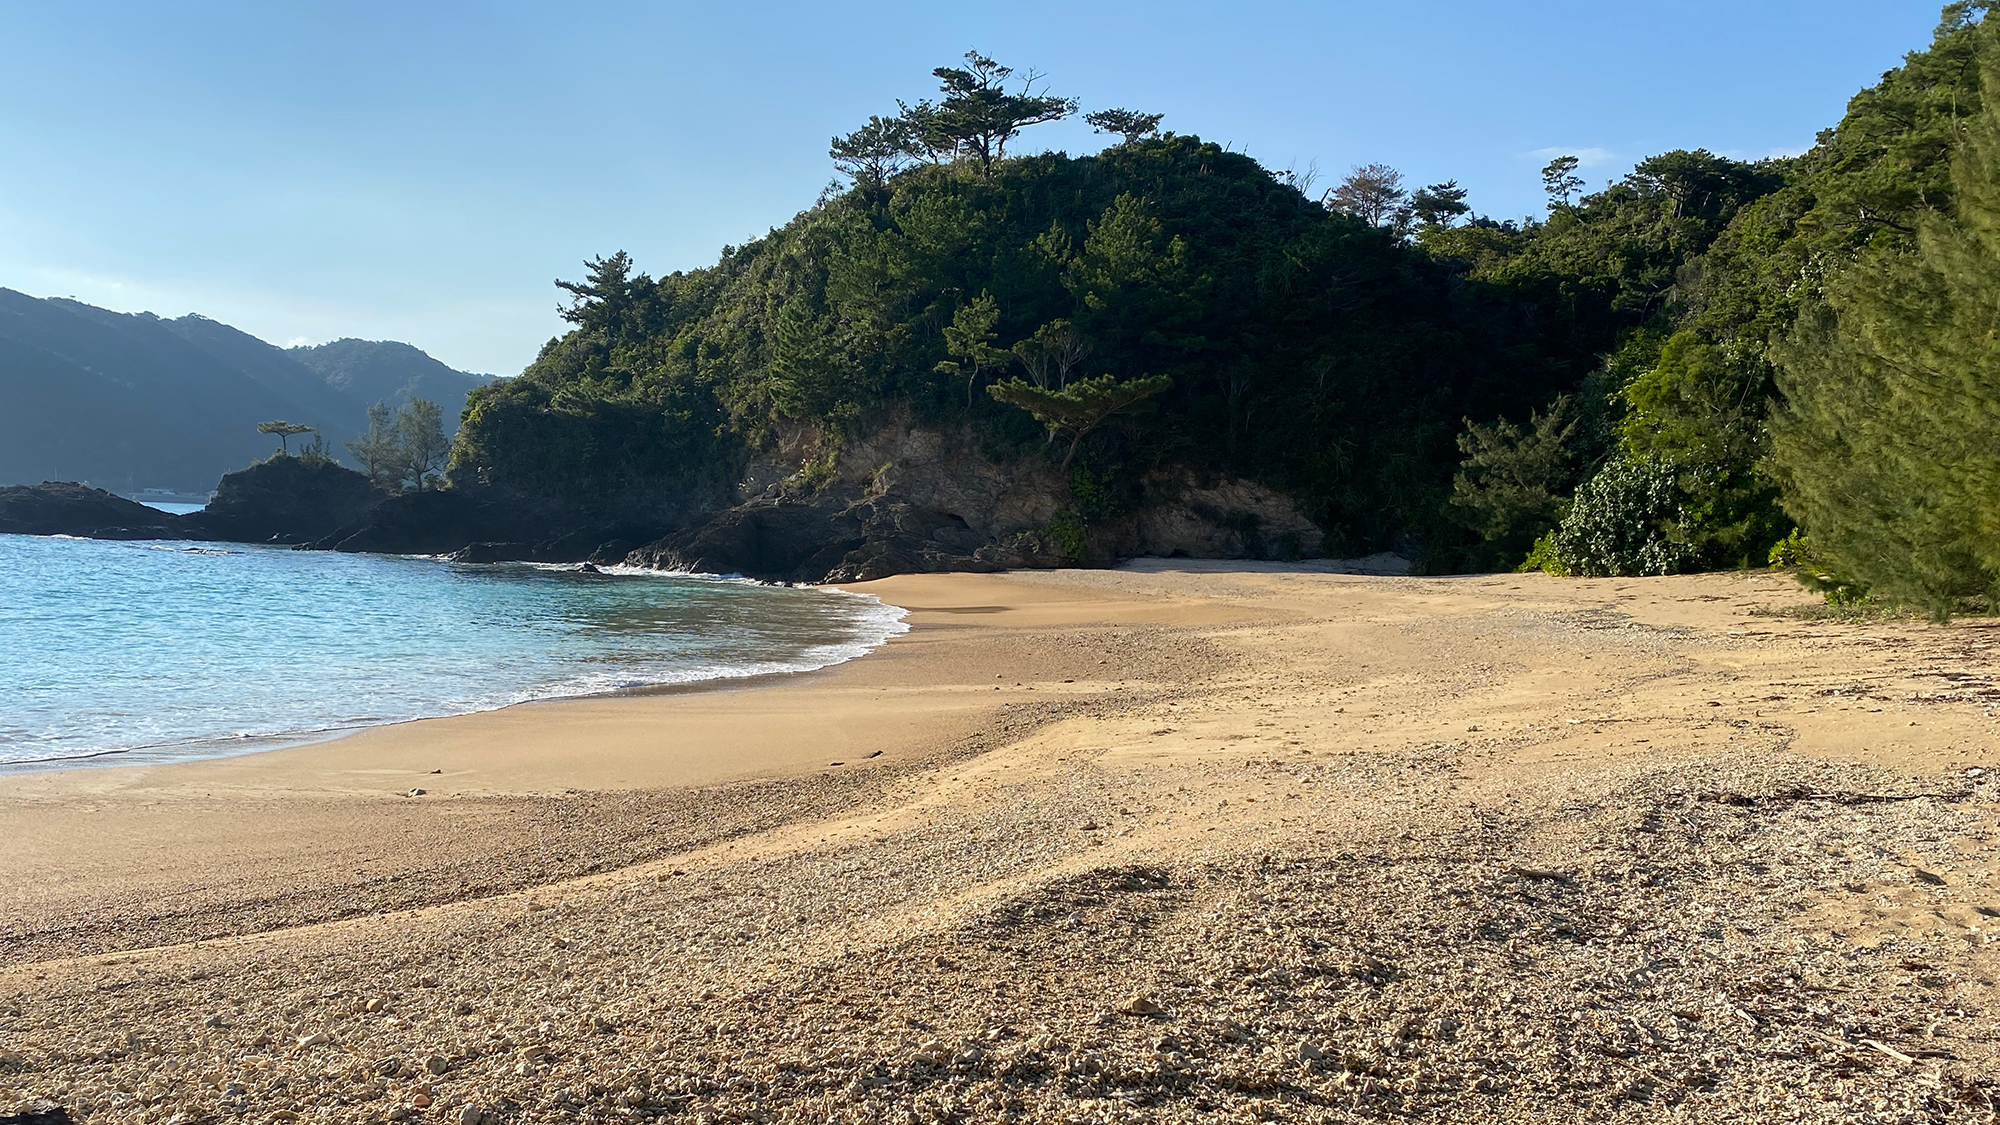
[(1176, 841)]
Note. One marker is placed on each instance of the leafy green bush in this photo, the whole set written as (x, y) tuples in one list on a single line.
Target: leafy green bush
[(1623, 521), (1067, 529)]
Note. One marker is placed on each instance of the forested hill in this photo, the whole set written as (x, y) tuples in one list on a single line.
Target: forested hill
[(1660, 376), (129, 401), (1315, 352)]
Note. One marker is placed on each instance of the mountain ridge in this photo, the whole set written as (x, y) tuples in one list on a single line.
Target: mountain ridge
[(135, 400)]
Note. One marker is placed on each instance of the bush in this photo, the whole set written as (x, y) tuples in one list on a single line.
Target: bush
[(1624, 521)]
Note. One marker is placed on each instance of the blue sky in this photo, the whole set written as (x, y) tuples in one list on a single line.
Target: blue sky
[(423, 171)]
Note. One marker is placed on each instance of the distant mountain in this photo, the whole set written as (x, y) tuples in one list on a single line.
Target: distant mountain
[(386, 371), (131, 400)]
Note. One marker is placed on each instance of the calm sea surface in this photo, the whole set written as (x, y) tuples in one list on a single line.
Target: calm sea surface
[(112, 653)]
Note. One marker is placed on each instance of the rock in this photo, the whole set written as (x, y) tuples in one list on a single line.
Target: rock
[(485, 524), (772, 539), (418, 792), (535, 1053), (437, 1064), (1183, 516), (316, 1039), (389, 1067), (54, 1116), (373, 1006), (1142, 1005), (215, 1020), (284, 500), (470, 1114), (62, 508)]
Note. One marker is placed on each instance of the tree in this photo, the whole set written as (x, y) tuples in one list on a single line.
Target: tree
[(420, 426), (876, 151), (285, 431), (1560, 180), (978, 116), (1372, 193), (316, 450), (969, 336), (1131, 125), (1049, 355), (1080, 407), (1510, 486), (602, 301), (1887, 443), (380, 448), (1439, 205)]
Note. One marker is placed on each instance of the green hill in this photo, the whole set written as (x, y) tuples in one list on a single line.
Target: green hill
[(1685, 370)]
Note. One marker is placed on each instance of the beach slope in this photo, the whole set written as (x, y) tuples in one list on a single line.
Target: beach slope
[(1180, 841)]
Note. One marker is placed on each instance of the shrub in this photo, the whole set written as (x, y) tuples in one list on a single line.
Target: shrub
[(1624, 521)]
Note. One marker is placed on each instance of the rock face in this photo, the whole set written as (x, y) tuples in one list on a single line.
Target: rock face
[(284, 500), (67, 508), (842, 540), (910, 500), (1227, 519)]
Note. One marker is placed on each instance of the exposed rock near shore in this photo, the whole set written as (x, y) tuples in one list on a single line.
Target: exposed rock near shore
[(475, 524), (784, 540), (284, 500), (68, 508)]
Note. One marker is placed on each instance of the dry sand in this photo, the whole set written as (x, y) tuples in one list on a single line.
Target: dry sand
[(1172, 842)]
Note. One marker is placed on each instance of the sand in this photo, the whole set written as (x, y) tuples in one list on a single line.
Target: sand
[(1176, 841)]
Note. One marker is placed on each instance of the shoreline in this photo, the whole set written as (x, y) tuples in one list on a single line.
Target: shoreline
[(1174, 842), (215, 748)]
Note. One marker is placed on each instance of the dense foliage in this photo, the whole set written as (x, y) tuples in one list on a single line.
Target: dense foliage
[(1701, 268), (1308, 349), (1671, 373), (1888, 440)]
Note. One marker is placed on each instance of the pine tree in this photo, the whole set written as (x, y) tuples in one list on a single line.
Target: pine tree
[(1888, 442)]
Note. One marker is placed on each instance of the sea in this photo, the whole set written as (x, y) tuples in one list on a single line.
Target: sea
[(115, 653)]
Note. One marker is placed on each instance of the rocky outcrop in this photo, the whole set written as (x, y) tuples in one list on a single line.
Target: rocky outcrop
[(68, 508), (1182, 516), (772, 538), (908, 500), (484, 524), (835, 538), (284, 500)]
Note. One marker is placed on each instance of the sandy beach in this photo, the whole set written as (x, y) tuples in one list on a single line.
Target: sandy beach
[(1178, 841)]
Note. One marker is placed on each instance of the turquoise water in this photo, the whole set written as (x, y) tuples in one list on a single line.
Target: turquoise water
[(113, 652)]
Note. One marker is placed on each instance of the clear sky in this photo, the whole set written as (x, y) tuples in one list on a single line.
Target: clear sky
[(422, 171)]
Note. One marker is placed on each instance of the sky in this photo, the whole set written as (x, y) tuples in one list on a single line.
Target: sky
[(423, 171)]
